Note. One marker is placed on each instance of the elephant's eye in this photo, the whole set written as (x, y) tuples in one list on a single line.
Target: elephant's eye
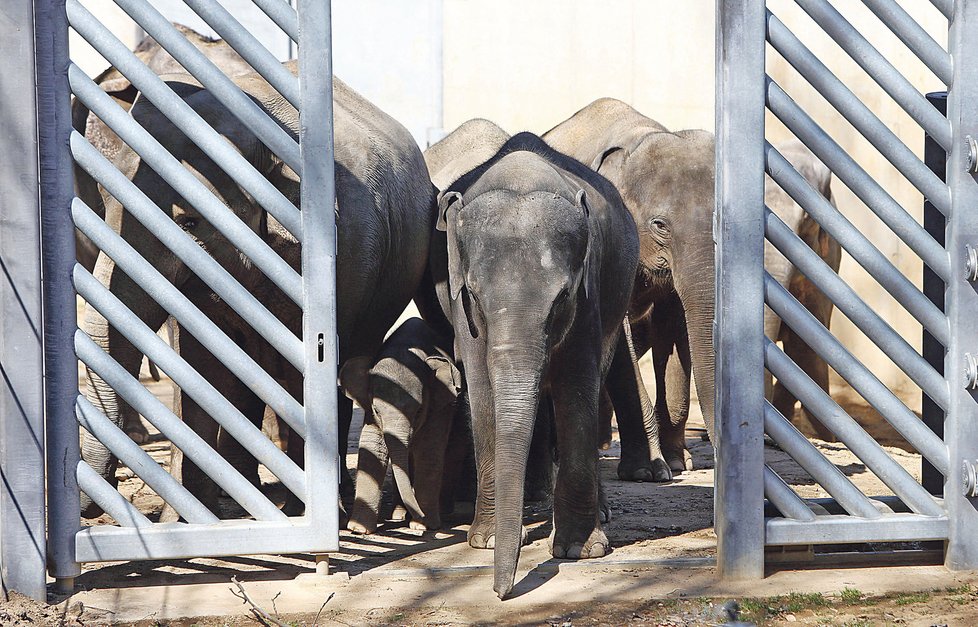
[(658, 224), (187, 224)]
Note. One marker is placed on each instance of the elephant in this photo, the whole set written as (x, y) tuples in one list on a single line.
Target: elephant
[(541, 255), (409, 401), (385, 214), (666, 180), (820, 178), (114, 83)]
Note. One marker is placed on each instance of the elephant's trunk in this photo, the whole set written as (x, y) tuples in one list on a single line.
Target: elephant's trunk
[(515, 369), (695, 285), (397, 435), (98, 391)]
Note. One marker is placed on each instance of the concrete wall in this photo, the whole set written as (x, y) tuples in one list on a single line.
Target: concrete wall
[(529, 65)]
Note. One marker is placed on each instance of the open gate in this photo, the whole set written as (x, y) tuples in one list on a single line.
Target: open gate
[(743, 481), (310, 412)]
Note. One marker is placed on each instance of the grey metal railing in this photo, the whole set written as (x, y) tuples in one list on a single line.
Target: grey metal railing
[(743, 288), (306, 148)]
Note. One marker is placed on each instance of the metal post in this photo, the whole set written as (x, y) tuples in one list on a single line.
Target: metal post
[(319, 268), (58, 231), (739, 334), (961, 427), (22, 542), (933, 351)]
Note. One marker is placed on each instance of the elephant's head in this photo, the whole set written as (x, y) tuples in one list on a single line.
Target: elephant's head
[(152, 247), (667, 183), (519, 269)]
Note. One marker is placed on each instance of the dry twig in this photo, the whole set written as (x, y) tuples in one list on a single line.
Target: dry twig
[(260, 615), (322, 607)]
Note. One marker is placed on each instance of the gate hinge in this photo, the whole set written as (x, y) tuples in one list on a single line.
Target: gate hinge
[(972, 153), (971, 263), (970, 371), (969, 478)]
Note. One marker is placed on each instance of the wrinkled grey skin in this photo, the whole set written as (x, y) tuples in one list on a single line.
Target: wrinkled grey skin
[(667, 182), (122, 91), (470, 145), (820, 178), (408, 399), (541, 255), (384, 221)]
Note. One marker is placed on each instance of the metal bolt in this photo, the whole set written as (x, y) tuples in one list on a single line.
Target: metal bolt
[(970, 371), (971, 263), (972, 146), (969, 478)]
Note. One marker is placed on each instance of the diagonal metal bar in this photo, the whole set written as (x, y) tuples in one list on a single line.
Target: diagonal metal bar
[(859, 313), (130, 453), (250, 49), (230, 95), (856, 179), (824, 472), (282, 14), (190, 381), (183, 246), (193, 126), (180, 435), (879, 69), (944, 6), (913, 35), (784, 498), (189, 317), (868, 450), (217, 214), (811, 331), (857, 245), (857, 114), (109, 499)]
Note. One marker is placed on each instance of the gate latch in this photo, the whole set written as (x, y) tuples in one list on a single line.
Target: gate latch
[(971, 263), (970, 371)]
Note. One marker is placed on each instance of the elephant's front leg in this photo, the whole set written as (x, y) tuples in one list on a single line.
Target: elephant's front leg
[(372, 463), (577, 532), (666, 334), (641, 456), (199, 421), (428, 468), (482, 532)]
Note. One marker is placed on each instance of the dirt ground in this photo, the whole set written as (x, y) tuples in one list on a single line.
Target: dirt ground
[(661, 569)]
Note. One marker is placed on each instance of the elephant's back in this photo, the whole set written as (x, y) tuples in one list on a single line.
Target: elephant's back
[(605, 123)]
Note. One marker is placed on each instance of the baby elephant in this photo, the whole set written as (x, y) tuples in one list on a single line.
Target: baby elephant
[(408, 399)]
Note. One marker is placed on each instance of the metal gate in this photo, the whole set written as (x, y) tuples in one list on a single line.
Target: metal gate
[(313, 290), (745, 30)]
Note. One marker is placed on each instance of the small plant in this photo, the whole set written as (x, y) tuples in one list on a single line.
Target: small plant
[(851, 595), (962, 589), (913, 598)]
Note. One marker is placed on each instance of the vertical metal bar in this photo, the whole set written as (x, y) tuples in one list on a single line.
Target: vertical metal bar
[(739, 335), (935, 158), (961, 427), (318, 268), (58, 232), (22, 542)]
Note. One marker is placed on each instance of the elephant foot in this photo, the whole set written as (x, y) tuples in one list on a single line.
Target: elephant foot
[(294, 506), (678, 459), (656, 471), (578, 546), (399, 514), (482, 541), (428, 524), (359, 528), (137, 431)]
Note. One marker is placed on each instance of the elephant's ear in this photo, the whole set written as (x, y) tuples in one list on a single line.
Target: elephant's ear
[(451, 203), (610, 162), (581, 202), (445, 373), (354, 378)]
